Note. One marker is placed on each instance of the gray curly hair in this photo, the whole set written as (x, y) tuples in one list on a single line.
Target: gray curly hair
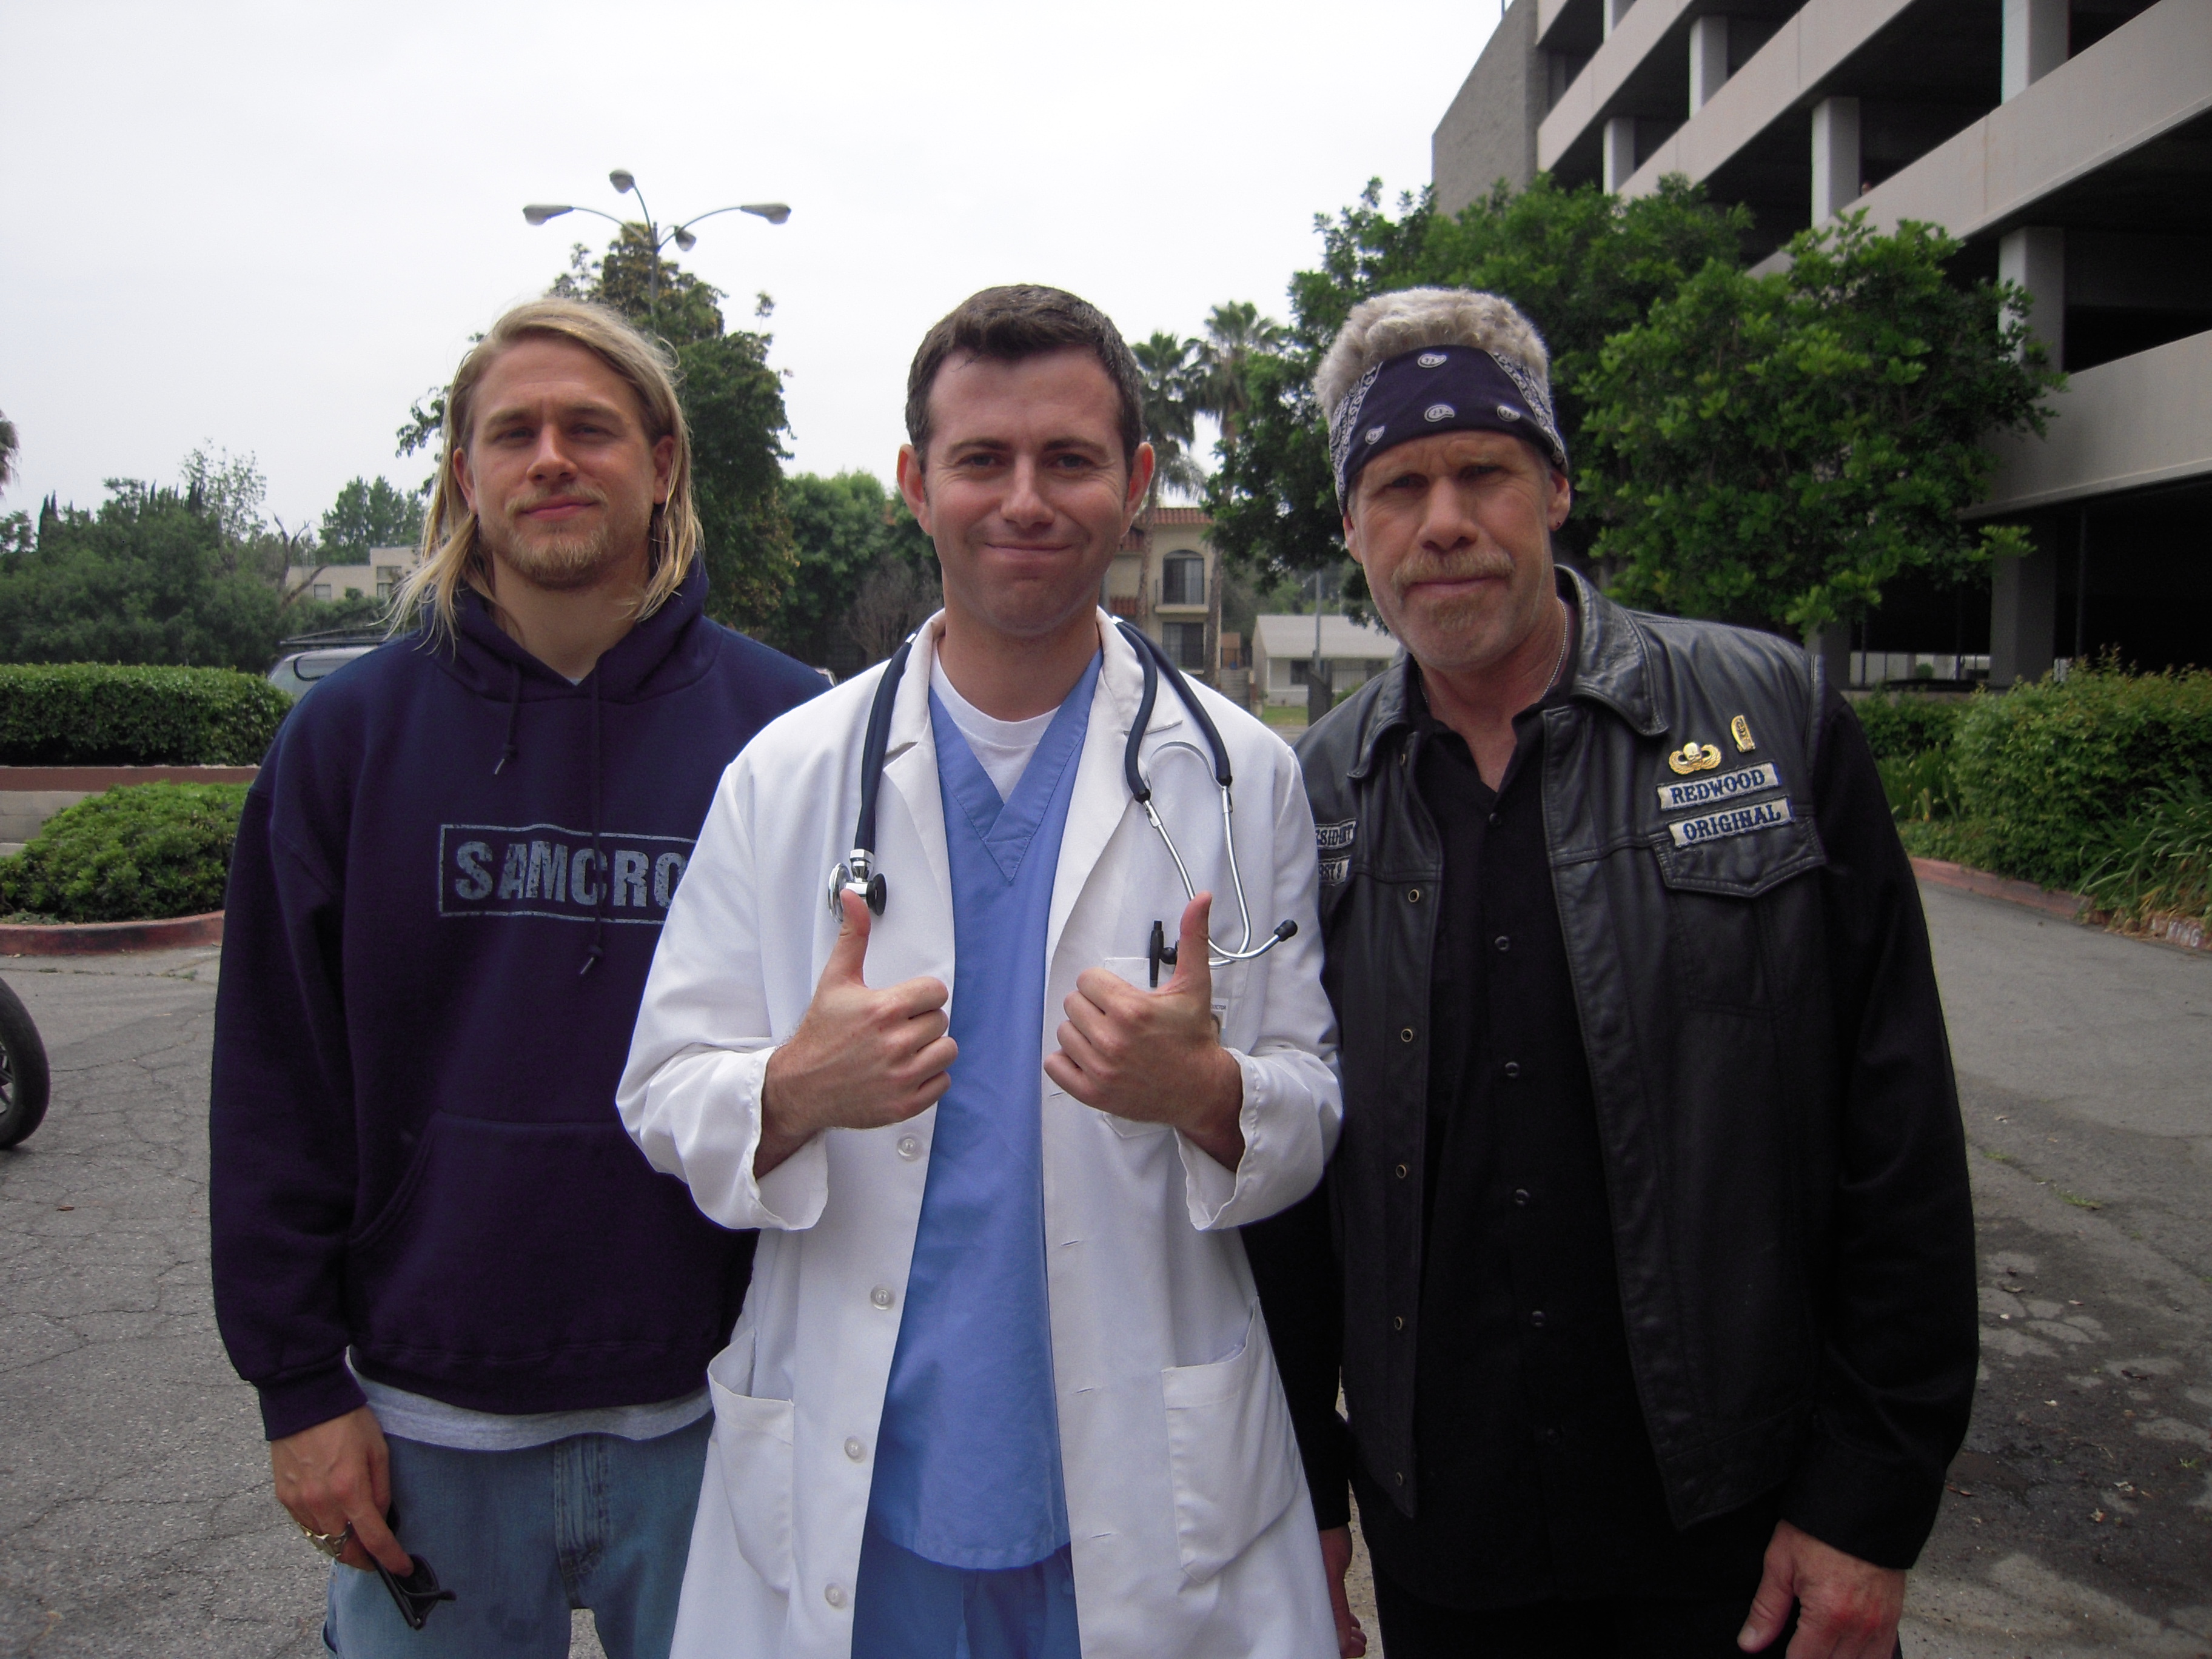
[(1391, 325)]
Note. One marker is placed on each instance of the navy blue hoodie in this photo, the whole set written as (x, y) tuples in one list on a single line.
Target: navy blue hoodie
[(447, 885)]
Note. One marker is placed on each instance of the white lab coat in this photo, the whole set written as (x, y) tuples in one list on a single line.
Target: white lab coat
[(1191, 1527)]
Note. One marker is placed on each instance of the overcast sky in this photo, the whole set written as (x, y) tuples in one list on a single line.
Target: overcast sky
[(269, 228)]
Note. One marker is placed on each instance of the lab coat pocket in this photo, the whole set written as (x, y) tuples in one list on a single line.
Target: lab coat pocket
[(1232, 1457), (753, 1438)]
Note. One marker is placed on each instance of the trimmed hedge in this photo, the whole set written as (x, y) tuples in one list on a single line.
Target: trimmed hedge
[(2047, 775), (137, 853), (98, 714), (1900, 726)]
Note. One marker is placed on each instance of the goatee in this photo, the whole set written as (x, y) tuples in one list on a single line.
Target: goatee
[(556, 559)]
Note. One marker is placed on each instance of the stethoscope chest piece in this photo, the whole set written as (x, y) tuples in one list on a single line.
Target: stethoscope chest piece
[(856, 875)]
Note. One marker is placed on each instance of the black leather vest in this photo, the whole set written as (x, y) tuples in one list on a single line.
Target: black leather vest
[(1679, 827)]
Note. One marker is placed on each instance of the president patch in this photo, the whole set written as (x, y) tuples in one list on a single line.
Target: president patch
[(1722, 786), (1736, 821)]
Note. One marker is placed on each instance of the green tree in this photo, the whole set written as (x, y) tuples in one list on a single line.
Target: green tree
[(1167, 365), (850, 535), (369, 514), (685, 311), (1236, 333), (9, 447), (1581, 264), (1771, 450), (150, 577)]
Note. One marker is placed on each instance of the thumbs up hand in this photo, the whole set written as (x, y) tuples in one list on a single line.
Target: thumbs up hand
[(860, 1058), (1156, 1056)]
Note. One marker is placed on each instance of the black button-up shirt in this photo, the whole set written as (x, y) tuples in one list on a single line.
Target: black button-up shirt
[(1536, 1475)]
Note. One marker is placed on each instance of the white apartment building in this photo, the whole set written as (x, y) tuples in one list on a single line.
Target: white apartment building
[(1166, 580), (1284, 647), (378, 579), (2067, 143)]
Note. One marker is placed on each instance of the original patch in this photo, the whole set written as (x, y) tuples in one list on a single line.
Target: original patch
[(1725, 786), (1736, 821), (1335, 837)]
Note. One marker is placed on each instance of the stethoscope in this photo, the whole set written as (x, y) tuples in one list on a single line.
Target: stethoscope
[(856, 873)]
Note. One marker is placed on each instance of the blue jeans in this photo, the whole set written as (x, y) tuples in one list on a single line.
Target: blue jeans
[(523, 1537)]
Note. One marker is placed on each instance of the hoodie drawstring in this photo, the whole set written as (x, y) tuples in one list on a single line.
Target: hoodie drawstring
[(514, 719), (598, 948)]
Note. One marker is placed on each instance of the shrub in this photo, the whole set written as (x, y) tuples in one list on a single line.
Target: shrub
[(95, 715), (1900, 726), (1919, 786), (2159, 861), (138, 853), (2050, 771)]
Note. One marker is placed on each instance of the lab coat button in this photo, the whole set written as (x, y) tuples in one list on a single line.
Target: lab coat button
[(881, 1295), (854, 1450), (834, 1594), (909, 1147)]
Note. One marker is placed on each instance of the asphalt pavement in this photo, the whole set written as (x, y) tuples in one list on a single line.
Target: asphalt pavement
[(135, 1513), (2079, 1517)]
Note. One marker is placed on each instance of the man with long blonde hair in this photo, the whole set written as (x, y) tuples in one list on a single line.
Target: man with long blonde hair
[(477, 1320)]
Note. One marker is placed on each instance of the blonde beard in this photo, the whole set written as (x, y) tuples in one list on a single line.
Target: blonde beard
[(557, 564)]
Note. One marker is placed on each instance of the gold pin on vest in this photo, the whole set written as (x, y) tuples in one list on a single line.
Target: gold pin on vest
[(1740, 729), (1695, 757)]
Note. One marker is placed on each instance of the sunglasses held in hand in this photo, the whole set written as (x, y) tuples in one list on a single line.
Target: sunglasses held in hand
[(419, 1592)]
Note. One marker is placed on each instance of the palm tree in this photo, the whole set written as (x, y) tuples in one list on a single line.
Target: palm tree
[(1235, 334), (1170, 415), (7, 452)]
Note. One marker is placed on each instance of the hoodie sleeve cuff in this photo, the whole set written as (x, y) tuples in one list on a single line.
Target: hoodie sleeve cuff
[(304, 1399), (1877, 1509)]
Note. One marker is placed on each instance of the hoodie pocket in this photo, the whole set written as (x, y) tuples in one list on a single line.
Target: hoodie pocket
[(521, 1258), (1232, 1458), (753, 1440)]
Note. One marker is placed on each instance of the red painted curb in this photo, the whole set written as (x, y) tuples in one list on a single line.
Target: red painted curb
[(1968, 880), (93, 939)]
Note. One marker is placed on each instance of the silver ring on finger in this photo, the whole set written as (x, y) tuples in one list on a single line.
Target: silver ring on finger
[(331, 1544)]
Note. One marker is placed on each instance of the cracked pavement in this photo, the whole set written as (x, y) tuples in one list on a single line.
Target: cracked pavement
[(135, 1514), (135, 1511), (2078, 1519)]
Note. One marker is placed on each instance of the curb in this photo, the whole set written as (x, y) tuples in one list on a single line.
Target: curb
[(94, 939), (2067, 906)]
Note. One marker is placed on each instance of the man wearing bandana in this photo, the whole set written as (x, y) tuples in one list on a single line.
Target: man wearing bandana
[(1646, 1259)]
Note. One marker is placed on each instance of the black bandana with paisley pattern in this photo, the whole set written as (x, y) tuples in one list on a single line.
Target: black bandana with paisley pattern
[(1437, 389)]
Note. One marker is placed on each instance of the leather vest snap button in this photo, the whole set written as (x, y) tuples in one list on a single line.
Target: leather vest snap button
[(881, 1295)]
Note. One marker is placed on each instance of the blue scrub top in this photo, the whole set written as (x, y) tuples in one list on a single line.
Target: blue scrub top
[(968, 1458)]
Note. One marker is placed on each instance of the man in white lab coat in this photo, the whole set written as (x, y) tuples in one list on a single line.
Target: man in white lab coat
[(1001, 1386)]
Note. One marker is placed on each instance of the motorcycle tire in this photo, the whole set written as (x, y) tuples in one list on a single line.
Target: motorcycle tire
[(23, 1077)]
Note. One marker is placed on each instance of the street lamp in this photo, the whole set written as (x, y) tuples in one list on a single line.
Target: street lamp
[(625, 183)]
